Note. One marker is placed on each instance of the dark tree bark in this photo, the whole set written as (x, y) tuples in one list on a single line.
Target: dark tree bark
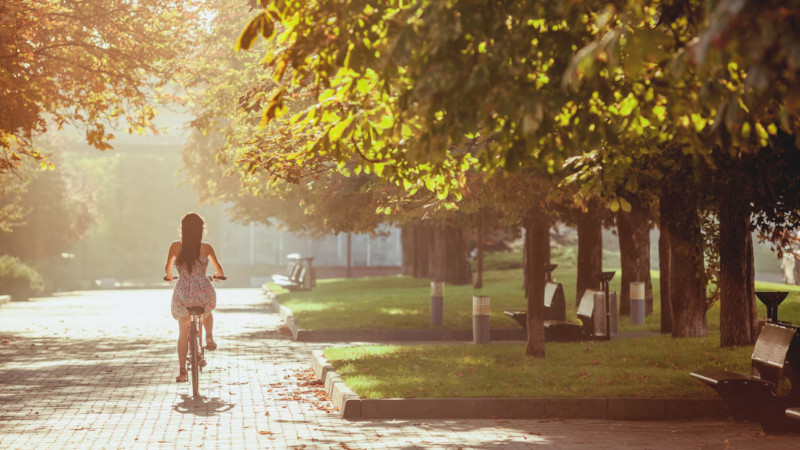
[(634, 245), (459, 267), (450, 256), (349, 272), (664, 265), (687, 275), (479, 256), (590, 250), (537, 248), (423, 244), (738, 318), (407, 244)]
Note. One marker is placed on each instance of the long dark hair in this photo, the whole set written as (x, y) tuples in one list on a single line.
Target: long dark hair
[(192, 227)]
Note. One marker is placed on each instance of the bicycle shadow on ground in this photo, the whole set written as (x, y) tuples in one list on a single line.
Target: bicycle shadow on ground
[(203, 407)]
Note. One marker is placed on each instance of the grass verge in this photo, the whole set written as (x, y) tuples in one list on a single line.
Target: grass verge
[(648, 367), (403, 302)]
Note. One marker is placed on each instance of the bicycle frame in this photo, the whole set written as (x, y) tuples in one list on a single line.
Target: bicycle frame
[(196, 360)]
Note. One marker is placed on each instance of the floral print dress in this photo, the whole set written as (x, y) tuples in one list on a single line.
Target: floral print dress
[(193, 289)]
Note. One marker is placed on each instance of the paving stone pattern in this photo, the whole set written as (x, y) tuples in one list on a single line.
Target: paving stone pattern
[(96, 370)]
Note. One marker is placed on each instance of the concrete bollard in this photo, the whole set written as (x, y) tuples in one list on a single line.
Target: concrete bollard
[(637, 303), (480, 319), (437, 303)]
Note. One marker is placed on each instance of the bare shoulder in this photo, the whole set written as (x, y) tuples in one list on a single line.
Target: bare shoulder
[(206, 249), (175, 247)]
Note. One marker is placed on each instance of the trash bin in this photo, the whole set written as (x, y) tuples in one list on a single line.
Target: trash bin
[(599, 315)]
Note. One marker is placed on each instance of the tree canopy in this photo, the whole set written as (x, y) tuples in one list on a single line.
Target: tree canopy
[(95, 65)]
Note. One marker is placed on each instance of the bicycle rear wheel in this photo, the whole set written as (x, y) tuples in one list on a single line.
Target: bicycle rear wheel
[(194, 360)]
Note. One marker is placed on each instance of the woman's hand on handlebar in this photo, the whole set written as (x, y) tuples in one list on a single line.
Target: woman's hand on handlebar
[(215, 277)]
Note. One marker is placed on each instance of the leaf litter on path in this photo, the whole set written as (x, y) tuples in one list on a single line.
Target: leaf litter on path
[(307, 390)]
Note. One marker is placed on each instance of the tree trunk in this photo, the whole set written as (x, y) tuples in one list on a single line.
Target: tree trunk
[(450, 256), (438, 254), (687, 275), (407, 244), (479, 256), (537, 239), (458, 268), (664, 265), (738, 318), (634, 246), (590, 250), (349, 272), (423, 240)]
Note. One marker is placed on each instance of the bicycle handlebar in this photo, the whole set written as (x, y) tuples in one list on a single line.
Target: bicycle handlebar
[(210, 277)]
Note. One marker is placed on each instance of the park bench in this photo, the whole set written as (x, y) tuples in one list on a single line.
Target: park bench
[(555, 307), (770, 394), (299, 274), (561, 330)]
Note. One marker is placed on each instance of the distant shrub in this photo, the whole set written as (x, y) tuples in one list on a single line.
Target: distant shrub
[(502, 260), (18, 279)]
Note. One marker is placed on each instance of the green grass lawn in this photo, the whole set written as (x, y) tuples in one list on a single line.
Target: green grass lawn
[(652, 366), (403, 302), (649, 367)]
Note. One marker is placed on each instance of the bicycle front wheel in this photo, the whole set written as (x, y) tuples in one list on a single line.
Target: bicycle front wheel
[(194, 359)]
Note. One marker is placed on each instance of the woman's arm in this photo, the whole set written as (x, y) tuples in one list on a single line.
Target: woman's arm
[(171, 255), (213, 258)]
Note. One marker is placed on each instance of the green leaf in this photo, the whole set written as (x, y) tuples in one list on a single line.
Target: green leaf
[(267, 28), (250, 32), (625, 205), (762, 133), (326, 95), (746, 130), (363, 85), (275, 108), (627, 105), (337, 130)]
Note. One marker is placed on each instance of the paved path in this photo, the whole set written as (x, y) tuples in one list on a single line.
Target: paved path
[(96, 369)]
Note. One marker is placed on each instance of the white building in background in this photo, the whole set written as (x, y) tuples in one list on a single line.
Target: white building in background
[(251, 245)]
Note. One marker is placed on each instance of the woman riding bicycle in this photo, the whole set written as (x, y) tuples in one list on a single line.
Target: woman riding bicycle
[(191, 256)]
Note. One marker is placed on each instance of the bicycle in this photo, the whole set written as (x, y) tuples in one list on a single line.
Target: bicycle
[(196, 359)]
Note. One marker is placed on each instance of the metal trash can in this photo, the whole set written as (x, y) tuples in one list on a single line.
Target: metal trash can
[(637, 303), (599, 315), (437, 303), (480, 319)]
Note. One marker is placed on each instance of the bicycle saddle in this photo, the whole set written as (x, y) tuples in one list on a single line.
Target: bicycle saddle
[(196, 310)]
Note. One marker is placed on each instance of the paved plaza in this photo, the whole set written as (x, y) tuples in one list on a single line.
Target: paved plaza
[(97, 370)]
